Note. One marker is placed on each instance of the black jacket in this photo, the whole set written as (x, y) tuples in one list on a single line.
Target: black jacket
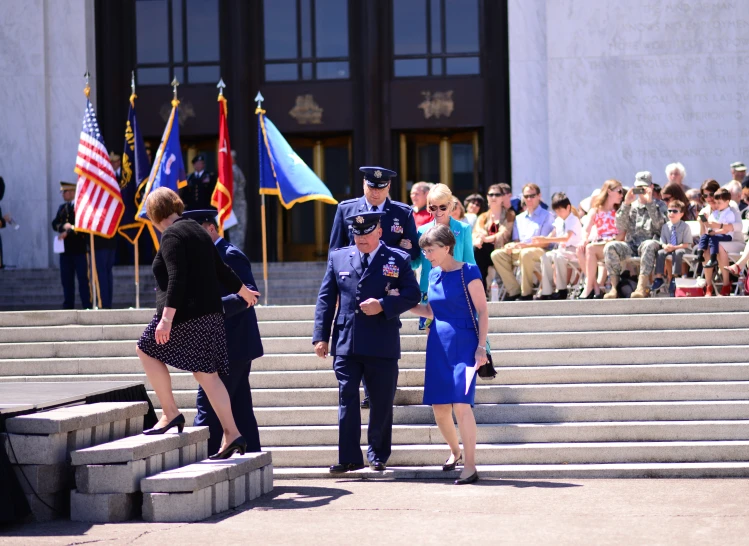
[(190, 273), (75, 243), (197, 193)]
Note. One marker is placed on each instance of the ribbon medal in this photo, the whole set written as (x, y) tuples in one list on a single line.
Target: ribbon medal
[(390, 270), (396, 227)]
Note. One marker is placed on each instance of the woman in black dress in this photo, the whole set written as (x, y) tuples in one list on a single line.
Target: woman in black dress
[(187, 331)]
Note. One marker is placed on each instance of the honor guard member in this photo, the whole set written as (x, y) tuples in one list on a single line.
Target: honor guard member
[(242, 342), (73, 261), (196, 195), (398, 225), (366, 334)]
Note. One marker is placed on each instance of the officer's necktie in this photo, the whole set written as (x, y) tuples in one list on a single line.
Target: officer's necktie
[(374, 208), (365, 262), (673, 235)]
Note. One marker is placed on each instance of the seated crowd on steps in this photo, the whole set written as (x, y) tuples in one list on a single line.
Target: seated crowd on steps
[(620, 242)]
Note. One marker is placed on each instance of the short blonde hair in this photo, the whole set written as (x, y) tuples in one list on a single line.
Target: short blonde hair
[(162, 203), (440, 192)]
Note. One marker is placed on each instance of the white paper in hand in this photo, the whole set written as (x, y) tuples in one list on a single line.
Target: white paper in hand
[(58, 246), (231, 221), (470, 372)]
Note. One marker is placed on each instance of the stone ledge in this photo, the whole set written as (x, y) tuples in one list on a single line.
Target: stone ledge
[(204, 474), (43, 478), (133, 448), (103, 507), (75, 417)]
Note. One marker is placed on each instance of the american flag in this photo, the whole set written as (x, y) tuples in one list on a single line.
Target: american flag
[(98, 202)]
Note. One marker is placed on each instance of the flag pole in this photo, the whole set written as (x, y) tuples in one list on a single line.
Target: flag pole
[(259, 99), (94, 278), (133, 96)]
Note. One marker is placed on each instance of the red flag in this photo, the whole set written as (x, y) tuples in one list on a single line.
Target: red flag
[(222, 195)]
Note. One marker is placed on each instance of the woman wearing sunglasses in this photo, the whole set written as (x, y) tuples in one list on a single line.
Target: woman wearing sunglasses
[(440, 204), (493, 228)]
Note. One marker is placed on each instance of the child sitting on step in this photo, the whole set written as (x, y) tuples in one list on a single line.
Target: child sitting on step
[(719, 227), (567, 234), (676, 238)]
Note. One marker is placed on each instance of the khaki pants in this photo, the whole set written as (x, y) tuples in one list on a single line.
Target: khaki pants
[(555, 260), (527, 259)]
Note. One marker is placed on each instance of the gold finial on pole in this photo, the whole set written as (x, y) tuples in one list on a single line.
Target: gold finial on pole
[(87, 89)]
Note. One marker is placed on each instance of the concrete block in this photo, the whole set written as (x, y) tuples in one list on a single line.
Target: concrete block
[(133, 448), (119, 429), (75, 417), (188, 455), (267, 479), (202, 450), (220, 497), (79, 439), (102, 507), (43, 478), (154, 464), (134, 426), (36, 449), (238, 491), (255, 484), (114, 478), (178, 507), (101, 434), (49, 506), (171, 459)]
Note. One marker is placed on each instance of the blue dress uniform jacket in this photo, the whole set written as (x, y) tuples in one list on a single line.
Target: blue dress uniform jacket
[(356, 333), (243, 344), (397, 224), (365, 346)]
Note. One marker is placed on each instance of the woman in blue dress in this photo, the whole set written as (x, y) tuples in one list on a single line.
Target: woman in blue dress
[(452, 345)]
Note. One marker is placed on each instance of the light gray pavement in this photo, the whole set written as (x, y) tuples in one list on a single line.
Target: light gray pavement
[(528, 512)]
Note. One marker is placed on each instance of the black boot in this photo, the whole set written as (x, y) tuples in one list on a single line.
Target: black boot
[(713, 261), (700, 255)]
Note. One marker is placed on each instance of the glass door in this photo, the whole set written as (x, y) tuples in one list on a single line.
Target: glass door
[(307, 226), (452, 159)]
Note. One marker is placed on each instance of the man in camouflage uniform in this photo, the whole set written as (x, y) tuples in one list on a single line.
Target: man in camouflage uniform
[(641, 218)]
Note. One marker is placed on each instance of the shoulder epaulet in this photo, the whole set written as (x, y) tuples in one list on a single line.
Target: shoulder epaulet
[(402, 253), (349, 201), (403, 206)]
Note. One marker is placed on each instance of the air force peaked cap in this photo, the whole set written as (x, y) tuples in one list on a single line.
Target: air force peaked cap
[(364, 222), (378, 177), (202, 216)]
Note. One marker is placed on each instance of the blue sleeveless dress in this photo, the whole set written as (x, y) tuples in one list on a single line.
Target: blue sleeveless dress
[(452, 341)]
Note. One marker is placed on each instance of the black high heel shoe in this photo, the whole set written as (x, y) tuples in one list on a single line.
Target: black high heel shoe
[(178, 422), (237, 446), (447, 467), (473, 478)]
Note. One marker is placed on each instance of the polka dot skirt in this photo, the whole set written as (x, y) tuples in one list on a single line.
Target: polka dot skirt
[(196, 345)]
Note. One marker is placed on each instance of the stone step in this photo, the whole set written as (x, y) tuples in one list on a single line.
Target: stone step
[(534, 471), (415, 377), (504, 394), (535, 453), (204, 488), (515, 433)]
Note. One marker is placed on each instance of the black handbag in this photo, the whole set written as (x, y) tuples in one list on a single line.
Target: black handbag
[(486, 371)]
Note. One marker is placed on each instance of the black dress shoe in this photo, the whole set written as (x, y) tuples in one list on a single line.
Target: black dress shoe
[(560, 295), (365, 403), (377, 465), (473, 478), (237, 446), (447, 467), (544, 297), (526, 298), (340, 468), (178, 422), (511, 298)]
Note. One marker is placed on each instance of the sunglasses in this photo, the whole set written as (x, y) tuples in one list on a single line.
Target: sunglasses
[(530, 196), (435, 208), (496, 194), (618, 190), (674, 211), (708, 195)]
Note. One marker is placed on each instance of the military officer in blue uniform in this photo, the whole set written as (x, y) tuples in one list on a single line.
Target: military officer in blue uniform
[(242, 342), (398, 225), (74, 261), (375, 284), (196, 195)]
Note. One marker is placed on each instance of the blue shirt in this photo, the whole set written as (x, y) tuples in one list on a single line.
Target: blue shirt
[(528, 226)]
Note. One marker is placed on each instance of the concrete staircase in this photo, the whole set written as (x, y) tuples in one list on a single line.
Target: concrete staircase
[(292, 283), (625, 388)]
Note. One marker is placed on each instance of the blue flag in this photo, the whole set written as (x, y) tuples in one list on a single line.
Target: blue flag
[(282, 171), (135, 169), (168, 168)]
